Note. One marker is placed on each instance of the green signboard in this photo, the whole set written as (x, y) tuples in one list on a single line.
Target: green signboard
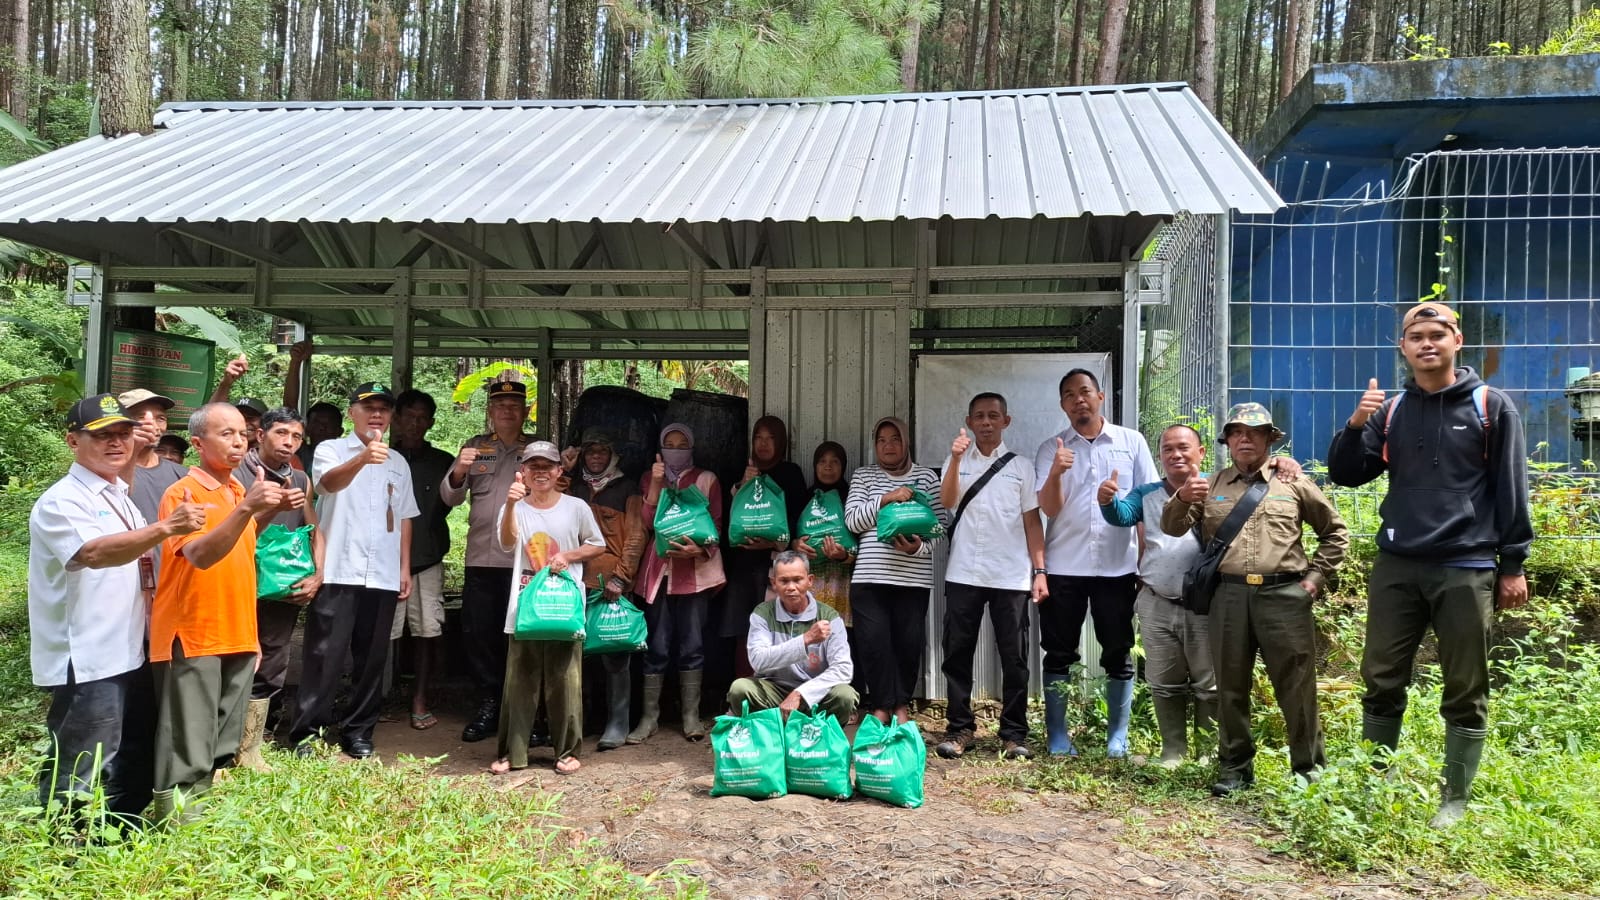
[(179, 367)]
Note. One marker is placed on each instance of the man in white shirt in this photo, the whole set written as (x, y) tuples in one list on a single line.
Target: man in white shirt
[(996, 562), (90, 576), (1092, 563), (366, 509)]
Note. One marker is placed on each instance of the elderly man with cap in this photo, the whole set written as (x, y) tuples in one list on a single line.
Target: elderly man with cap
[(484, 471), (153, 474), (1265, 596), (90, 581), (1454, 536), (595, 476), (366, 507)]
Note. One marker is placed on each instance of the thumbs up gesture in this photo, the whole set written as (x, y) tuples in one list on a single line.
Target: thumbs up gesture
[(187, 517), (1195, 489), (751, 471), (264, 495), (376, 451), (518, 490), (958, 447), (658, 472), (293, 498), (569, 458), (1064, 457), (1108, 489), (1371, 402)]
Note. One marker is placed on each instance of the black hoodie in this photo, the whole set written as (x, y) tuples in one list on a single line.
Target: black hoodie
[(1448, 499)]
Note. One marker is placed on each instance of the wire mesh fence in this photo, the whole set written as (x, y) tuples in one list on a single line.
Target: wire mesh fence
[(1181, 374)]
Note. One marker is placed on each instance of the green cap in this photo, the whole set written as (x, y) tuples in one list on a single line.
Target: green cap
[(1250, 415)]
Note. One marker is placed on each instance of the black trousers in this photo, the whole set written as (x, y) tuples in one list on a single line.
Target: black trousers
[(344, 617), (275, 621), (113, 717), (1109, 601), (485, 596), (963, 616), (888, 637)]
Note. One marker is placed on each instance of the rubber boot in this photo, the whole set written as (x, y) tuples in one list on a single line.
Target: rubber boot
[(1172, 720), (255, 724), (1384, 731), (689, 693), (619, 697), (652, 710), (1055, 715), (1205, 729), (1119, 704), (163, 809), (1463, 749)]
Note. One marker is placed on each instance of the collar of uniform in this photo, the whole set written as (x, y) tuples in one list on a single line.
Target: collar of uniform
[(94, 483), (999, 451), (805, 615), (1234, 473), (206, 479), (354, 441), (490, 440), (1104, 435)]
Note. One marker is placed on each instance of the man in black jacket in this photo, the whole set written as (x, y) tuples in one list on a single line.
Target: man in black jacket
[(1453, 539)]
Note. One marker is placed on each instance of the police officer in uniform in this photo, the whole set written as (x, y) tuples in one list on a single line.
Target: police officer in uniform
[(484, 471), (1264, 600)]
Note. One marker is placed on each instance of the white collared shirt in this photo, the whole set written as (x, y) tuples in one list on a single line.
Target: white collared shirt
[(1079, 541), (91, 619), (989, 547), (361, 550)]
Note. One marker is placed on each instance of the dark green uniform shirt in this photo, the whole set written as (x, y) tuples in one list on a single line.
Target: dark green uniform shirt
[(1269, 543)]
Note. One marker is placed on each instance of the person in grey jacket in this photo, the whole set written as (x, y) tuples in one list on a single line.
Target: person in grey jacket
[(797, 648)]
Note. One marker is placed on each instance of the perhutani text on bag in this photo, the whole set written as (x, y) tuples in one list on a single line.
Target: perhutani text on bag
[(823, 517), (550, 608), (683, 513), (759, 511)]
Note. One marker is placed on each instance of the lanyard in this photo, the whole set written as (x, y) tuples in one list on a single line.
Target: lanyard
[(147, 564)]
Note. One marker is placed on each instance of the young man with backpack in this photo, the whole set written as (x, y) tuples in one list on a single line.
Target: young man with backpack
[(1453, 539)]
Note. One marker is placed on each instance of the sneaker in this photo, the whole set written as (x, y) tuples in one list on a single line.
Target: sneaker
[(954, 745), (1017, 750)]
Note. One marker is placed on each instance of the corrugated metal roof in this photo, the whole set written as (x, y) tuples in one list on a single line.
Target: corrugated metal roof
[(1057, 153)]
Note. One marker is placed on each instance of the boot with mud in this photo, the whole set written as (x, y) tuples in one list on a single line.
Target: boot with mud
[(255, 726), (1463, 750), (652, 710), (619, 698), (1172, 720), (689, 693)]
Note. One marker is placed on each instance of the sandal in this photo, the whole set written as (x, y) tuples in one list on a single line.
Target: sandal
[(500, 766), (567, 765), (424, 721)]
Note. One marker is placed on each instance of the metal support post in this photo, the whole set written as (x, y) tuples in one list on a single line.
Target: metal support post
[(97, 336), (757, 346), (1222, 340), (1128, 378), (400, 364), (544, 391)]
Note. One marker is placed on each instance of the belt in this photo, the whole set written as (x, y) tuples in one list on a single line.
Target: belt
[(1264, 580)]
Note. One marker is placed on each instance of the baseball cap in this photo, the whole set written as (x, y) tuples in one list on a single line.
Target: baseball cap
[(542, 450), (596, 436), (508, 389), (251, 404), (130, 399), (96, 412), (1430, 312), (1250, 415), (370, 390)]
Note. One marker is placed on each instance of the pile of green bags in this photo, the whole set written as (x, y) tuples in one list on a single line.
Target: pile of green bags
[(759, 755)]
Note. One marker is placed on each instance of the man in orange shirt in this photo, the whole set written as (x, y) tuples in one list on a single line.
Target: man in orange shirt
[(203, 622)]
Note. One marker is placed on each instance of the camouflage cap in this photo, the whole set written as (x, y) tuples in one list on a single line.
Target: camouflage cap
[(1250, 415)]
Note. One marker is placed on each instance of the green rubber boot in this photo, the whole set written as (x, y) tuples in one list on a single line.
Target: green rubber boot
[(1463, 750)]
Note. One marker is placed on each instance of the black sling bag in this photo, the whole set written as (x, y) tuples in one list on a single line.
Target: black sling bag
[(977, 486), (1201, 581)]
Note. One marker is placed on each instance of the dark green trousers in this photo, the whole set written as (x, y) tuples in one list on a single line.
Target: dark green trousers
[(1406, 597), (548, 670), (761, 693), (201, 716), (1277, 622)]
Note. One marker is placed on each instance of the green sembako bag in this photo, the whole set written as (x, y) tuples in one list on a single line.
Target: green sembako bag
[(683, 513), (824, 517), (550, 608), (890, 761), (816, 755), (614, 627), (910, 518), (283, 560), (759, 512), (747, 755)]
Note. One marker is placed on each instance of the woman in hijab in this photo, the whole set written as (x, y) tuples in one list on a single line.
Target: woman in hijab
[(890, 584), (831, 563), (676, 587), (749, 562)]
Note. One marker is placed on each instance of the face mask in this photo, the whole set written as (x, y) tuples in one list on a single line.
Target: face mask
[(677, 460)]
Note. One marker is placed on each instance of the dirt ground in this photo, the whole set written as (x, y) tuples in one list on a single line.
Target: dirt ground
[(650, 805)]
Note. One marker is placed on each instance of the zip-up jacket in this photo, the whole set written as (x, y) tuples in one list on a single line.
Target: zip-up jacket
[(1456, 494)]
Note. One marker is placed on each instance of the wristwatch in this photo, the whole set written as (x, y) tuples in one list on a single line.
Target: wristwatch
[(1039, 572)]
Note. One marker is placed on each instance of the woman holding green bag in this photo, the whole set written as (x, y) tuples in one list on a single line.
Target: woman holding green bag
[(678, 578), (543, 529), (833, 556), (748, 561)]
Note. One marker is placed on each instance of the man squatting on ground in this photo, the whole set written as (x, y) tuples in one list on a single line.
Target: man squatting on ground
[(797, 648), (484, 470), (1264, 599), (203, 646), (996, 561), (1453, 539), (367, 506), (91, 578)]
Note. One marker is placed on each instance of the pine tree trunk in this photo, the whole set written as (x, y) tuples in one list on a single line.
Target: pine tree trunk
[(280, 46), (1113, 19), (21, 61), (300, 58), (1204, 79), (535, 61), (122, 66), (500, 52), (577, 49), (474, 50), (969, 60), (1055, 42), (909, 45), (1080, 53), (991, 48)]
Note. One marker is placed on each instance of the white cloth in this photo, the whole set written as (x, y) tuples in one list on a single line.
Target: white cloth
[(989, 547), (1166, 558), (568, 525), (780, 654), (94, 620), (361, 550), (876, 562), (1079, 541)]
